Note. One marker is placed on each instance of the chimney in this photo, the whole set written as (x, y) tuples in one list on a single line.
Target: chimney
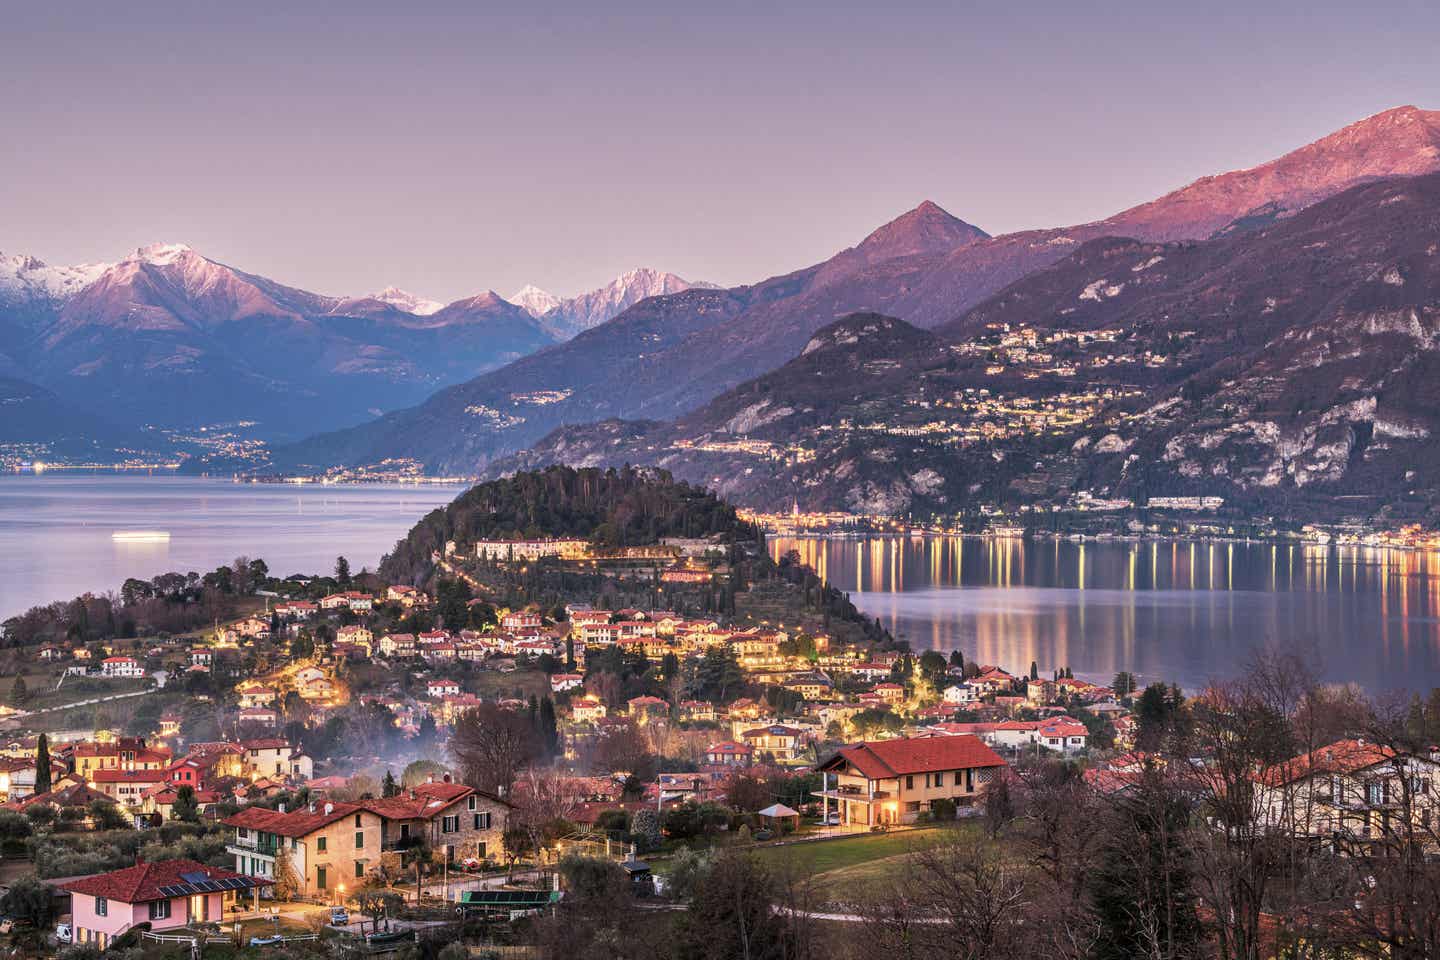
[(329, 809), (280, 807), (430, 778), (312, 807), (447, 778)]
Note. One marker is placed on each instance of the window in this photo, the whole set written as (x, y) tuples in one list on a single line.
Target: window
[(1372, 792), (320, 844), (359, 869), (472, 801), (450, 824), (102, 907), (159, 909), (320, 878), (357, 820), (910, 782), (359, 839), (480, 851), (482, 821)]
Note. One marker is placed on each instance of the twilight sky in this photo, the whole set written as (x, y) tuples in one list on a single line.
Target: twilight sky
[(453, 147)]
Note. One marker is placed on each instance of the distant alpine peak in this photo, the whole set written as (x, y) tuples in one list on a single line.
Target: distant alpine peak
[(25, 278), (160, 254), (533, 300), (407, 301)]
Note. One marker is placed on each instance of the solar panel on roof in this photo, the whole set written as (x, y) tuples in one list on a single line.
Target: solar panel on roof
[(195, 876), (172, 891)]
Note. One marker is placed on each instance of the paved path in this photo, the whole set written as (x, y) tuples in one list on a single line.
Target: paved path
[(22, 714)]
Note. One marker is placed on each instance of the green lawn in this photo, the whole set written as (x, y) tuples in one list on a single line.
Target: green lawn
[(821, 856)]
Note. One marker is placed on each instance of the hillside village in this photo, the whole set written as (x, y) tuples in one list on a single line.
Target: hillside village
[(386, 747)]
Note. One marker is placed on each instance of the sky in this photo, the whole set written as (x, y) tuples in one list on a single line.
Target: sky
[(450, 148)]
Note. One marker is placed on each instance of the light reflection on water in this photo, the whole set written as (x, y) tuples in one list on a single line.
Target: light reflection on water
[(1180, 611), (55, 529)]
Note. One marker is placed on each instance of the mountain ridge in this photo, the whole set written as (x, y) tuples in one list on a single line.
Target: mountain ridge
[(925, 284)]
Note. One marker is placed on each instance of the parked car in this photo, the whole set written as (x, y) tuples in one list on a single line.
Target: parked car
[(339, 917), (62, 932), (833, 820)]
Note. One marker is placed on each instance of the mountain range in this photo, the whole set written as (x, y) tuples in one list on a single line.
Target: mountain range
[(668, 356), (1292, 369), (565, 318), (169, 337)]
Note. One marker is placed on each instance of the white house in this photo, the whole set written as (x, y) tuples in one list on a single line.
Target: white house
[(121, 667)]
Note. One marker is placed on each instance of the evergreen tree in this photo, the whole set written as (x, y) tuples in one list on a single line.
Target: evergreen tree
[(388, 787), (19, 693), (548, 727), (42, 765), (957, 661), (185, 807), (1142, 892), (1034, 670), (342, 572)]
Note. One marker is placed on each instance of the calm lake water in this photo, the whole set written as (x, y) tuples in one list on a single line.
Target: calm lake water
[(56, 529), (1176, 611)]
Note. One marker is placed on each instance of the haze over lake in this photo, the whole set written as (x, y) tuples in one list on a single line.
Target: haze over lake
[(1177, 611), (56, 530)]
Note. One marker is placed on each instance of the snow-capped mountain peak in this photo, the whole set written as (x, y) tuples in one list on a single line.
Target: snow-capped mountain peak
[(534, 301), (407, 301), (26, 278), (160, 254), (564, 318)]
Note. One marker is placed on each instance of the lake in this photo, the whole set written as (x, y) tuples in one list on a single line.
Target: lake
[(1177, 611), (57, 529)]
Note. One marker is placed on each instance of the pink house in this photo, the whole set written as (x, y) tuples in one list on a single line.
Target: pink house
[(172, 893)]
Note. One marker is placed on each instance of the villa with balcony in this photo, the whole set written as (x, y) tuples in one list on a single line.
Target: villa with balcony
[(894, 781)]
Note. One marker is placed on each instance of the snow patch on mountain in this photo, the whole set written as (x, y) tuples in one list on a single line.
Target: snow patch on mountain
[(409, 302), (24, 278), (534, 301)]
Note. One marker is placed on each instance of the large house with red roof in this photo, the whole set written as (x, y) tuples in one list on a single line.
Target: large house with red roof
[(1351, 787), (894, 781), (337, 844), (164, 895)]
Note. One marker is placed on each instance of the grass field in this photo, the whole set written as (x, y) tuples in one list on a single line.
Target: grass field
[(824, 856)]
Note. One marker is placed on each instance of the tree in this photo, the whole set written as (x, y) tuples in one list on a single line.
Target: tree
[(492, 745), (30, 900), (342, 572), (1034, 670), (420, 771), (19, 693), (1124, 684), (388, 787), (185, 808), (1142, 889), (287, 882), (42, 765), (645, 829), (732, 914), (747, 793)]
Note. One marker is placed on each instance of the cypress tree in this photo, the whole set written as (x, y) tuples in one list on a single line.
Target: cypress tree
[(42, 765)]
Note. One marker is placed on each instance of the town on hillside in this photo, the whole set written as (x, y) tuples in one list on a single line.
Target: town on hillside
[(541, 733)]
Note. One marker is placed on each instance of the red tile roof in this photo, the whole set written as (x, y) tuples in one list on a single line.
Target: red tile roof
[(142, 882), (293, 823), (883, 759), (1341, 757), (128, 776)]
